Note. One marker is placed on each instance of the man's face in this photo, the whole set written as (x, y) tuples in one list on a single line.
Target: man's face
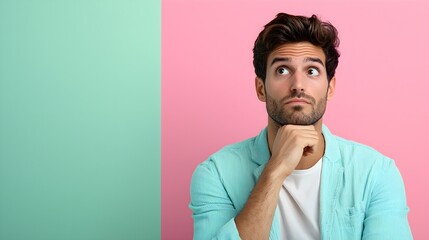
[(296, 87)]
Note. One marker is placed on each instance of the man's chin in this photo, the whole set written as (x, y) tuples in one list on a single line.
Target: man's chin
[(299, 121)]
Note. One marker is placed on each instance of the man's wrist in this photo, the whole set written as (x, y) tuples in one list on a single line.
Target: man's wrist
[(276, 172)]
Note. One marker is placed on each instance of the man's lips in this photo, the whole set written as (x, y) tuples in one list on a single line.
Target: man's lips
[(297, 101)]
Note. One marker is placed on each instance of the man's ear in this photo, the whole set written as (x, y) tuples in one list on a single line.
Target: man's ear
[(331, 88), (260, 89)]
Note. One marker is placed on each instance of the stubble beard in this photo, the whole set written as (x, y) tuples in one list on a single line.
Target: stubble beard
[(296, 116)]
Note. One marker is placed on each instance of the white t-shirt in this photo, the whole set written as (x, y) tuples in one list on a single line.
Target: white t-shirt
[(299, 204)]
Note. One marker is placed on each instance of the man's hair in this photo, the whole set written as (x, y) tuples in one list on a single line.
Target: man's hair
[(287, 28)]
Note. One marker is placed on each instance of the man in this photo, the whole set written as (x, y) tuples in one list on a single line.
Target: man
[(296, 180)]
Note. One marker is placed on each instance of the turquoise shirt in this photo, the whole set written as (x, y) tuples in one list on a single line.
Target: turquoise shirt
[(362, 194)]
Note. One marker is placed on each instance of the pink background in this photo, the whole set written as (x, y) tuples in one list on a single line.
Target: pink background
[(208, 96)]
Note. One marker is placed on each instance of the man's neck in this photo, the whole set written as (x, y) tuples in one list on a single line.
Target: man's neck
[(306, 161)]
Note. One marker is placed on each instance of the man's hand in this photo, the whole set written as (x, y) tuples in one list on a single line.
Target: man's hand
[(292, 142)]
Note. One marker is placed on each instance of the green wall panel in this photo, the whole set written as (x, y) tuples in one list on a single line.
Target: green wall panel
[(80, 119)]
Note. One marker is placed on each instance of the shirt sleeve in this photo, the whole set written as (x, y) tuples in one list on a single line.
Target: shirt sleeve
[(213, 210), (386, 215)]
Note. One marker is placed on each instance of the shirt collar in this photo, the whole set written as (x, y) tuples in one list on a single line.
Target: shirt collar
[(260, 150), (332, 152)]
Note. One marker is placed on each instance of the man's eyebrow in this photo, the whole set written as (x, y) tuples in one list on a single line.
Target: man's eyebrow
[(310, 59), (280, 60)]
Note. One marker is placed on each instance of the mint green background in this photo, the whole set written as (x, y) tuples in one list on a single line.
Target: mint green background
[(80, 119)]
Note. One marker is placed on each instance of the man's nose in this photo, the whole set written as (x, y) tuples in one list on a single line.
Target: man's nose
[(298, 82)]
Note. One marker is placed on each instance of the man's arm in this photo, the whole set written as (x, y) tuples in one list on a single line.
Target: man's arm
[(213, 211), (254, 221), (386, 216), (215, 216)]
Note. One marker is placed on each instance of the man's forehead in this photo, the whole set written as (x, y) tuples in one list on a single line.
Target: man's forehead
[(297, 50)]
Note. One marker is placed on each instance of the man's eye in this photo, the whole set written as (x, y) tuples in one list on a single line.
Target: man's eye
[(282, 71), (313, 72)]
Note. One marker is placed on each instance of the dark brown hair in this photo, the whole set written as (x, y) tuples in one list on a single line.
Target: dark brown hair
[(287, 28)]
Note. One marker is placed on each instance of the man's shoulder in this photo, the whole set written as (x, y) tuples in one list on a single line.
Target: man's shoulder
[(359, 153), (233, 152), (227, 172), (235, 159), (347, 144), (241, 148), (232, 167)]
